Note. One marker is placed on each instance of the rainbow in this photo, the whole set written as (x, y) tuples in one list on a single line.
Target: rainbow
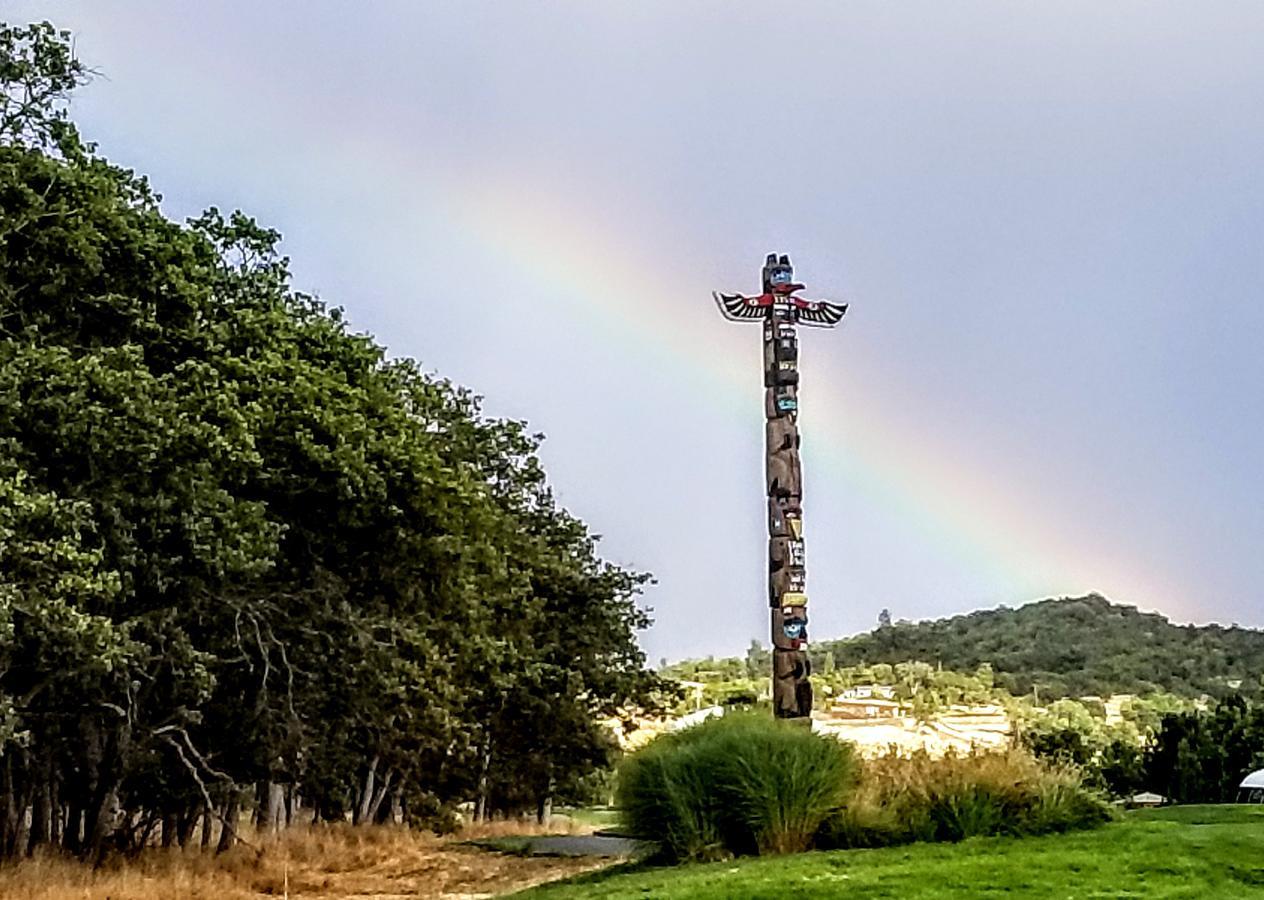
[(849, 435)]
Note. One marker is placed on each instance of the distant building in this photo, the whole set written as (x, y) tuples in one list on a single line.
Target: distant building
[(1251, 790), (886, 692), (1147, 798), (864, 708)]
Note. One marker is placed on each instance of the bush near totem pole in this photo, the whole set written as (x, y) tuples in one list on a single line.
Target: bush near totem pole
[(242, 554), (748, 784), (740, 784), (916, 798)]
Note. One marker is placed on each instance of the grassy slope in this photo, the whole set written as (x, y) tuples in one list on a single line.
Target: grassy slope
[(1188, 852)]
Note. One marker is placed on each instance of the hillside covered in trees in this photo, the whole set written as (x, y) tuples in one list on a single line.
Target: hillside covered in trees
[(1069, 647), (246, 560), (1072, 647)]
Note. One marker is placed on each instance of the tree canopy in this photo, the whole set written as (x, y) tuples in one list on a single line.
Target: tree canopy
[(243, 553)]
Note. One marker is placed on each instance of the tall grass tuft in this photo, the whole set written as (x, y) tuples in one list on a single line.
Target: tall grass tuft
[(740, 784), (917, 798)]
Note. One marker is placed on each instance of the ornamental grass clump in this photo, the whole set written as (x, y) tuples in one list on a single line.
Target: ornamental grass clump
[(741, 784), (917, 798)]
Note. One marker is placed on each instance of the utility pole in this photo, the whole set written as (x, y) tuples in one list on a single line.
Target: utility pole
[(781, 311)]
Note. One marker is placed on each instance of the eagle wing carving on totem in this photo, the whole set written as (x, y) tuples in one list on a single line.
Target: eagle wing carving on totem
[(813, 313), (739, 308), (819, 313)]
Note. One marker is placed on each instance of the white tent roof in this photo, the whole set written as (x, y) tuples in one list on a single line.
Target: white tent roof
[(1254, 780)]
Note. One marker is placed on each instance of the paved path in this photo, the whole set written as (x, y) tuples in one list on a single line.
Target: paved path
[(603, 845)]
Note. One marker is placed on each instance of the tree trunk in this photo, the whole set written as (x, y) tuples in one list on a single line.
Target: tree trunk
[(208, 823), (228, 823), (102, 822), (168, 829), (274, 809), (188, 823), (23, 809), (73, 837), (54, 811), (544, 805), (102, 812), (41, 811), (366, 793), (380, 794), (480, 805), (260, 801), (151, 822), (12, 822)]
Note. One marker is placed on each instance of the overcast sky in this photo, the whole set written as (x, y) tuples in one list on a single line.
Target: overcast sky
[(1048, 219)]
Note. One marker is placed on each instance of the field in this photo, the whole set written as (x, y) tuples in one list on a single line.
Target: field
[(1186, 852), (327, 863)]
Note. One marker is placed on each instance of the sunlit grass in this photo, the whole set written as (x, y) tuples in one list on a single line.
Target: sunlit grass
[(1190, 852)]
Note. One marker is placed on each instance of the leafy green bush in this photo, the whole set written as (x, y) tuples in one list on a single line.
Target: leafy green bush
[(916, 798), (744, 783)]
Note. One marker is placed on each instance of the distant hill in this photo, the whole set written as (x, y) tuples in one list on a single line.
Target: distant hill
[(1071, 647)]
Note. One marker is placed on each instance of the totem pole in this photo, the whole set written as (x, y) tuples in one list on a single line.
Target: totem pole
[(780, 311)]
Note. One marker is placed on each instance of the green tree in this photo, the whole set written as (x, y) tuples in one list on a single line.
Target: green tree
[(245, 558), (1202, 756)]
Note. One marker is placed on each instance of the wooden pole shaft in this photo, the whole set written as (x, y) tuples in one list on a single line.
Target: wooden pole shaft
[(787, 572), (779, 310)]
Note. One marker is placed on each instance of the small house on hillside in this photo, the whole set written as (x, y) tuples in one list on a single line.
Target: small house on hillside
[(1147, 798), (864, 708), (862, 691)]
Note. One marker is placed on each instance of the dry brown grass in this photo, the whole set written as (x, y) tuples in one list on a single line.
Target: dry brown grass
[(323, 862), (523, 827)]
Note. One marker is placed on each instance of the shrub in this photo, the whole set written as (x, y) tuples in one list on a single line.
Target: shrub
[(744, 783), (1064, 804), (916, 798)]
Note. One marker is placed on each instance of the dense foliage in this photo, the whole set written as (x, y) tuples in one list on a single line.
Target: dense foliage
[(1202, 756), (917, 798), (1071, 647), (739, 784), (244, 557)]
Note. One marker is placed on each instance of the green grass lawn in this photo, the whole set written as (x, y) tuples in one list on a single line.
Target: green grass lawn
[(1191, 851), (597, 817)]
